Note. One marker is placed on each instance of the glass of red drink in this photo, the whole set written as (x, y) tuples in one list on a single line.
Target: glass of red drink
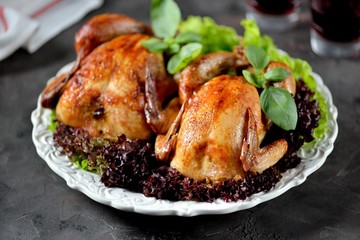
[(335, 27), (273, 15)]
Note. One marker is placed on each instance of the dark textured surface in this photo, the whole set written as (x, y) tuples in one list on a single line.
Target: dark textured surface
[(35, 203)]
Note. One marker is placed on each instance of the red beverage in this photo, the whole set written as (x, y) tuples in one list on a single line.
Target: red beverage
[(274, 7), (336, 20)]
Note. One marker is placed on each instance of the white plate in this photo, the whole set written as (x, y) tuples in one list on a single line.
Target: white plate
[(89, 183)]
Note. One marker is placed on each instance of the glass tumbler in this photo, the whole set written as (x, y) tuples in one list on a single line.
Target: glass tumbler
[(274, 15), (335, 28)]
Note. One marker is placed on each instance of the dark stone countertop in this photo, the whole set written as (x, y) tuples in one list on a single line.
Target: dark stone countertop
[(35, 203)]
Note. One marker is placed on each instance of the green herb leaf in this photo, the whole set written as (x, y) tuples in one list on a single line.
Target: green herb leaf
[(257, 57), (277, 74), (155, 45), (165, 17), (187, 37), (186, 54), (174, 48), (280, 107), (252, 78)]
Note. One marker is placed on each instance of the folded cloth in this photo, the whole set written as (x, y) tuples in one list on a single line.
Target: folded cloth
[(15, 30), (31, 23)]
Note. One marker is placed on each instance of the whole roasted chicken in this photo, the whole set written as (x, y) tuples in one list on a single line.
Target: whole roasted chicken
[(104, 93), (220, 127)]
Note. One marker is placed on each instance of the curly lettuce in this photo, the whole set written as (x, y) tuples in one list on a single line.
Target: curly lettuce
[(53, 121), (214, 37)]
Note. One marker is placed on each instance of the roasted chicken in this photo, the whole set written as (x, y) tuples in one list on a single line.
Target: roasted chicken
[(105, 93), (97, 30), (221, 131), (218, 131)]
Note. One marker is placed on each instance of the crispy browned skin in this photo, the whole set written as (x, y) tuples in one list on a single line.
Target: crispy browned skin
[(105, 27), (106, 95), (214, 141)]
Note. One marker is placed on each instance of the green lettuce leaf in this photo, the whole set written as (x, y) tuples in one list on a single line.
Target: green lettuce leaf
[(82, 162), (53, 122), (214, 37)]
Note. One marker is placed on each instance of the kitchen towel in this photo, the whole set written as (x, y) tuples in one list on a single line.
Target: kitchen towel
[(31, 23)]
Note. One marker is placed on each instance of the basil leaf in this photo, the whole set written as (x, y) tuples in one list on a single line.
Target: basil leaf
[(155, 45), (187, 37), (257, 81), (280, 107), (257, 57), (165, 17), (174, 48), (277, 74), (186, 54)]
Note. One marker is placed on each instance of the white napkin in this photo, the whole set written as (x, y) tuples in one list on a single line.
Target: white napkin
[(31, 23), (15, 30)]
